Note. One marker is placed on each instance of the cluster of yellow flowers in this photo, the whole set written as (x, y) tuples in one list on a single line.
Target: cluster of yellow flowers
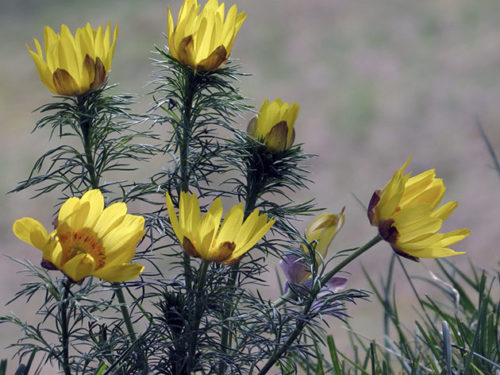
[(91, 240)]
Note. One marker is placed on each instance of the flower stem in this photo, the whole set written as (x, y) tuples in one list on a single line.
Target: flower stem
[(125, 313), (360, 250), (64, 327), (199, 304), (293, 336), (85, 119), (189, 89), (142, 360), (253, 192), (302, 322)]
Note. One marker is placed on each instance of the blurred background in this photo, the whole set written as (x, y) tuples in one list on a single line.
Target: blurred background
[(377, 81)]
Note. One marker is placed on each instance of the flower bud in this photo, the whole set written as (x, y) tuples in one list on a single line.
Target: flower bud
[(274, 125), (324, 229)]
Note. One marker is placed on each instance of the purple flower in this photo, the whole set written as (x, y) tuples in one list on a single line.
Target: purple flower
[(297, 273)]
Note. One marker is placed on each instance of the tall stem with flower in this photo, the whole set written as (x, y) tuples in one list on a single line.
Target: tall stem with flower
[(273, 128), (77, 68), (202, 53)]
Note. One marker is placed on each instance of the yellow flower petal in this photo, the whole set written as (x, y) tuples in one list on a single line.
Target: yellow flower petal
[(31, 231), (210, 224), (96, 206), (435, 252), (119, 273), (53, 253), (231, 224), (125, 234), (79, 267), (445, 210), (110, 218), (241, 250)]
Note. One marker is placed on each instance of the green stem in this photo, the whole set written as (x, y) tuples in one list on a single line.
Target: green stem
[(226, 336), (142, 361), (189, 90), (302, 322), (360, 250), (86, 128), (125, 313), (202, 272), (184, 134), (64, 327), (293, 336), (253, 191)]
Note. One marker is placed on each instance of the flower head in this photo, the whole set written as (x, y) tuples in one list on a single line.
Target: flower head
[(274, 124), (406, 214), (203, 40), (322, 230), (88, 239), (201, 237), (75, 65)]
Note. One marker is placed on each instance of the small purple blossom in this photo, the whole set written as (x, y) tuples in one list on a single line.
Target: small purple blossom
[(297, 273)]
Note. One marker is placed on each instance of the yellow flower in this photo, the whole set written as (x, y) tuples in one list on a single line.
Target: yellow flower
[(203, 41), (201, 237), (323, 229), (74, 65), (274, 124), (88, 239), (406, 214)]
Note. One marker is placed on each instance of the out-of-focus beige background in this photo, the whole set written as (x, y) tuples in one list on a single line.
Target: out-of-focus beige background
[(376, 81)]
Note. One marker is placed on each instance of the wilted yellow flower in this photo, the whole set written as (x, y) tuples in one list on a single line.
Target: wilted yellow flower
[(203, 41), (201, 237), (88, 239), (274, 124), (406, 214), (75, 65)]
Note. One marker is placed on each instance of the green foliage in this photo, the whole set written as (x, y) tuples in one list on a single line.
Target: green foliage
[(457, 333), (107, 134), (85, 313), (489, 146)]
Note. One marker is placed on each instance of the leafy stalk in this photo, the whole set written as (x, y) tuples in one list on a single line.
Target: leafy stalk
[(199, 307), (65, 335), (189, 91), (253, 191), (291, 339), (124, 310), (85, 121)]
